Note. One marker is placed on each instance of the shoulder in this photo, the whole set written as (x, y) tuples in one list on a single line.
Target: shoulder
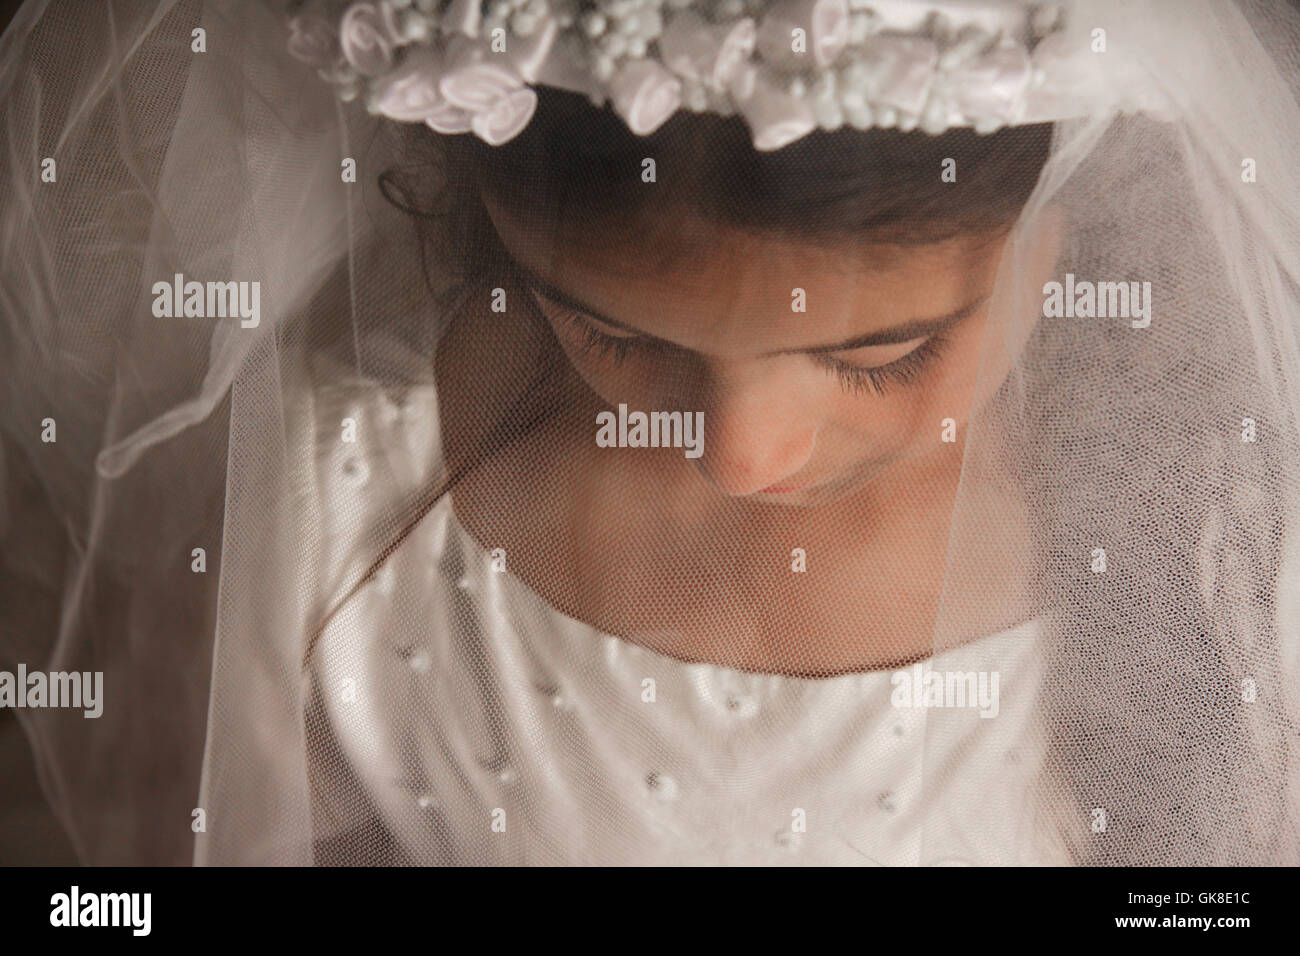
[(360, 449)]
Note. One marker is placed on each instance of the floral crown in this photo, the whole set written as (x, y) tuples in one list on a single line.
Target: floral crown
[(787, 66)]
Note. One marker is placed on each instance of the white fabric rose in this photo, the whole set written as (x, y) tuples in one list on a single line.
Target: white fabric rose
[(464, 17), (825, 24), (706, 52), (563, 68), (645, 95), (529, 55), (475, 82), (488, 93), (1071, 79), (365, 41), (895, 72), (410, 93), (775, 118), (312, 41), (446, 118), (506, 118), (992, 85)]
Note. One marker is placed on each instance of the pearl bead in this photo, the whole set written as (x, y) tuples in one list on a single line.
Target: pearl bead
[(789, 840), (415, 28), (355, 470), (661, 786), (742, 705)]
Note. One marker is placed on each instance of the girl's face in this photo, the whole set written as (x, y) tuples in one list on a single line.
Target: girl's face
[(816, 370)]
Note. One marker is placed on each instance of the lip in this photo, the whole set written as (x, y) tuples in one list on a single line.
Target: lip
[(783, 489)]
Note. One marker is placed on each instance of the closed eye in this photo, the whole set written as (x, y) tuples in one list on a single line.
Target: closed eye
[(617, 345)]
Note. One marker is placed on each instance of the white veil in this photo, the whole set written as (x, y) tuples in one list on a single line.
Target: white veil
[(1159, 464)]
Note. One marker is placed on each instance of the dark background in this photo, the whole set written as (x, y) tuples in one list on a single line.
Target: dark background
[(29, 832)]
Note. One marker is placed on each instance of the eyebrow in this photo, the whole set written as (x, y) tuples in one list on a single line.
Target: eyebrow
[(907, 332)]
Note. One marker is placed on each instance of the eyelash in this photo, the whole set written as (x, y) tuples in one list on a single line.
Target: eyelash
[(853, 378), (902, 371)]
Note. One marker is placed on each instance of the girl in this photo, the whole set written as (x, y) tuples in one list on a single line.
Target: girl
[(946, 570)]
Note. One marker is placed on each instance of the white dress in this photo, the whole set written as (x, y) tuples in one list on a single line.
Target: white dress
[(482, 726)]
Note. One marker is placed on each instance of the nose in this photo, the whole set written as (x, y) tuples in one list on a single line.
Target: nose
[(754, 433)]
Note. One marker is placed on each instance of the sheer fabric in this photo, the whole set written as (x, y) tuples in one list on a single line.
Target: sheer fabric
[(1152, 699)]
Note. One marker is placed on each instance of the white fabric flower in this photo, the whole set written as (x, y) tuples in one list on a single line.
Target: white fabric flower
[(775, 118), (529, 55), (706, 52), (483, 92), (895, 71), (1073, 81), (825, 24), (410, 93), (992, 85), (312, 41), (464, 17), (475, 82), (446, 118), (645, 95), (506, 118), (565, 68), (365, 41)]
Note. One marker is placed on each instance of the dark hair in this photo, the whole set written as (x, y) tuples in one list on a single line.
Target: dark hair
[(578, 168), (582, 166)]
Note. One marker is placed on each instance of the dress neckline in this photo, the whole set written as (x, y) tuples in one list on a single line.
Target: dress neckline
[(1022, 632)]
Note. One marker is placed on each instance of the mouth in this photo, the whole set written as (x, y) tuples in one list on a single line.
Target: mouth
[(782, 489)]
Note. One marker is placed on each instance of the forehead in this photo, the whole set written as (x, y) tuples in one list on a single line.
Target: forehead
[(712, 287)]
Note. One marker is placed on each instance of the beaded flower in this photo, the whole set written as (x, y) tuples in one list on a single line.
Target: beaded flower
[(787, 67)]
